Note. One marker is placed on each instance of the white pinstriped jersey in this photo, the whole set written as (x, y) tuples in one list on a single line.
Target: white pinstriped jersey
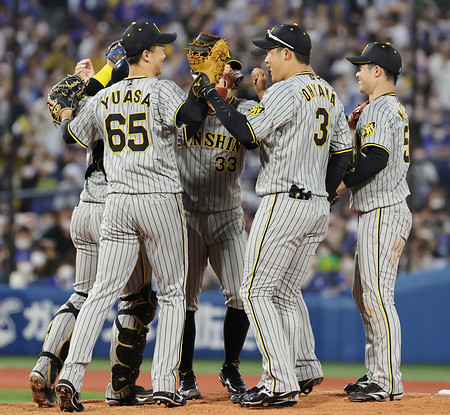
[(383, 123), (95, 186), (211, 165), (299, 122), (137, 117)]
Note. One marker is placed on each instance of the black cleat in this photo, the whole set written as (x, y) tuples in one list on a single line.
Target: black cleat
[(236, 398), (138, 396), (188, 385), (43, 395), (231, 378), (357, 386), (69, 398), (306, 386), (265, 397), (143, 396), (169, 399), (374, 393)]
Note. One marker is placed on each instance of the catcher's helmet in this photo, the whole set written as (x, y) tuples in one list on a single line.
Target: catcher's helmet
[(120, 71)]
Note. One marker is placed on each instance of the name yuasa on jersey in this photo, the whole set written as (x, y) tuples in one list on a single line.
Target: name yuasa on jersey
[(136, 118)]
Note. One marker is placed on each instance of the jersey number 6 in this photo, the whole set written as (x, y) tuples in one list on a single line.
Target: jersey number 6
[(118, 139)]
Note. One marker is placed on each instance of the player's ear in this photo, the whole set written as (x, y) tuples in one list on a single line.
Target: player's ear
[(287, 54)]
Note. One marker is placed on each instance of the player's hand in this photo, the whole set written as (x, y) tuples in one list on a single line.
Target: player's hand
[(85, 69), (353, 118), (65, 114), (342, 186), (259, 78)]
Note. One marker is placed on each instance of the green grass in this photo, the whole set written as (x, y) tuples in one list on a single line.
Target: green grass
[(253, 367), (24, 395)]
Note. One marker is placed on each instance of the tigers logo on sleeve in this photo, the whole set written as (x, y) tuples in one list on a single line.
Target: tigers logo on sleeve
[(368, 130), (255, 110)]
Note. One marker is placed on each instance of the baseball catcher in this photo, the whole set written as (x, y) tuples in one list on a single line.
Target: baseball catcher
[(206, 55)]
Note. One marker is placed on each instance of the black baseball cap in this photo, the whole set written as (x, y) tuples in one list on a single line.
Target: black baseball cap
[(234, 63), (382, 54), (142, 36), (291, 36)]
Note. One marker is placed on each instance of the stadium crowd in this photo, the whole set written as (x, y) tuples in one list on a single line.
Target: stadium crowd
[(44, 40)]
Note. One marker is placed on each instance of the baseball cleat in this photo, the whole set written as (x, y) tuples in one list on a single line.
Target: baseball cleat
[(306, 386), (231, 378), (357, 386), (265, 397), (373, 393), (169, 399), (69, 398), (143, 396), (188, 385), (140, 396), (236, 398), (43, 395)]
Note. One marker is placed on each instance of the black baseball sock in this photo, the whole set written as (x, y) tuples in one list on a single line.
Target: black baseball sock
[(235, 328), (187, 354)]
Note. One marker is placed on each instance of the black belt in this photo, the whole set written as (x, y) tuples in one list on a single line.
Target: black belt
[(297, 193)]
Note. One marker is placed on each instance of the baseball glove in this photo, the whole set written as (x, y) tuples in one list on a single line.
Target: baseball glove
[(354, 116), (206, 56), (65, 94), (115, 51)]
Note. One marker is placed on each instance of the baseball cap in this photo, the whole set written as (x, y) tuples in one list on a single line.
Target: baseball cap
[(382, 54), (290, 36), (142, 36), (234, 63)]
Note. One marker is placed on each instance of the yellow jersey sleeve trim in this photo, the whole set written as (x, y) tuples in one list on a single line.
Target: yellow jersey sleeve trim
[(75, 138), (176, 114), (104, 75), (375, 145), (253, 135), (341, 151)]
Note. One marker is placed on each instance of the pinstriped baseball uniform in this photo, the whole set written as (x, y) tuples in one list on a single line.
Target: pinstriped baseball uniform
[(85, 234), (211, 165), (298, 123), (136, 118), (384, 223)]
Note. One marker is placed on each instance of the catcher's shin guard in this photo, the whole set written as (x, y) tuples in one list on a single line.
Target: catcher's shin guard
[(127, 353), (129, 338), (57, 340)]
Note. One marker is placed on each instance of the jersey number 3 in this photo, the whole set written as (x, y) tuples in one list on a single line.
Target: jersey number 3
[(118, 138), (321, 137)]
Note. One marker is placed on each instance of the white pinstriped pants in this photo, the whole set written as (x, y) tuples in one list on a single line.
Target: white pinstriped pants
[(281, 245), (382, 234), (157, 221)]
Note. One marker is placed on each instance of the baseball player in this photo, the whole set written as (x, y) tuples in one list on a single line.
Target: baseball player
[(85, 226), (137, 119), (211, 163), (307, 367), (299, 121), (378, 191)]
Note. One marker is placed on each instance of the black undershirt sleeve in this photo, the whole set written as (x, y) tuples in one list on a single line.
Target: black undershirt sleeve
[(93, 86), (235, 122), (337, 166), (64, 130), (192, 110), (191, 129), (376, 160)]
